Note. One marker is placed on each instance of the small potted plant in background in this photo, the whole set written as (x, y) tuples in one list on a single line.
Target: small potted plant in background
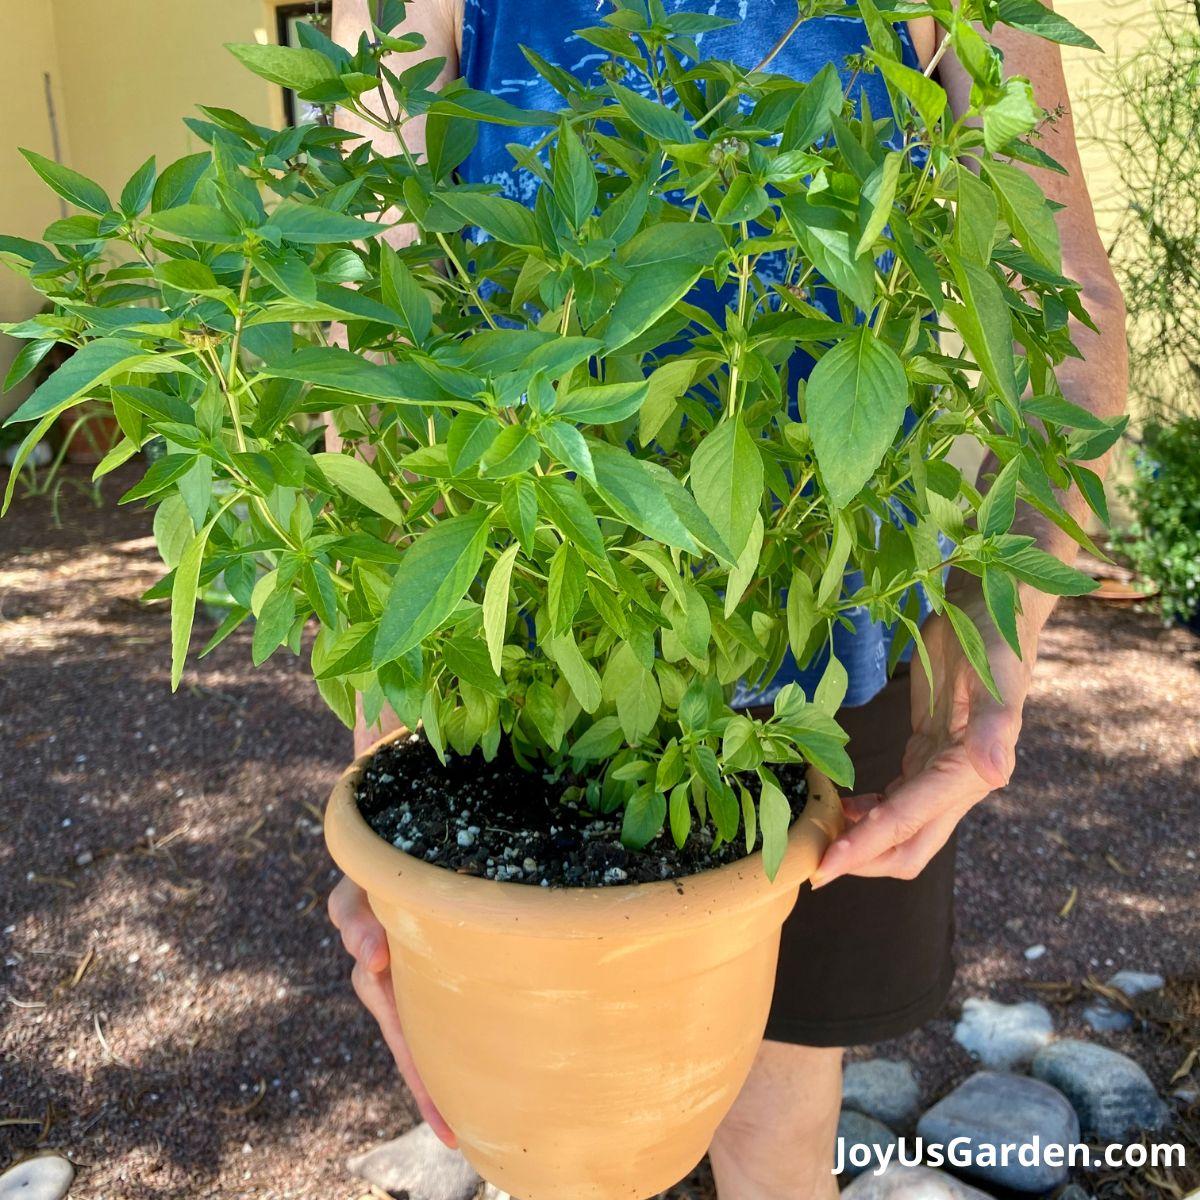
[(575, 509)]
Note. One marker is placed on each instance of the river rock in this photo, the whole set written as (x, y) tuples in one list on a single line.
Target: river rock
[(1003, 1036), (1101, 1017), (418, 1165), (911, 1183), (1136, 983), (1111, 1093), (855, 1129), (991, 1110), (45, 1177), (883, 1089)]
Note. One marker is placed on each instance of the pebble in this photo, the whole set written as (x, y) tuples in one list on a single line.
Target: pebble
[(992, 1108), (44, 1177), (615, 875), (855, 1130), (465, 838), (84, 859), (910, 1183), (419, 1165), (530, 865), (1111, 1093), (1136, 983), (1003, 1036), (1033, 953), (883, 1089), (1101, 1017)]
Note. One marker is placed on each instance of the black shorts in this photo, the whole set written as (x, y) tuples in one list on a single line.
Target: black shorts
[(863, 960)]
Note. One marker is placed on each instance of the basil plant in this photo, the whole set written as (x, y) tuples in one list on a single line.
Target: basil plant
[(573, 508)]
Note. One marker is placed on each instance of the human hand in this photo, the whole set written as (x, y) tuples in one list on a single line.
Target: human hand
[(366, 942), (958, 753)]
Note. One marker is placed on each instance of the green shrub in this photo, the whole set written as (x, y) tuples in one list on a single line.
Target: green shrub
[(574, 509), (1164, 538)]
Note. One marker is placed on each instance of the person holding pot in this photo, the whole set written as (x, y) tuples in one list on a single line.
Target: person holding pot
[(867, 952)]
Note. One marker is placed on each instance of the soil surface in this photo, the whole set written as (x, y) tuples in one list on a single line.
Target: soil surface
[(500, 821), (175, 1012)]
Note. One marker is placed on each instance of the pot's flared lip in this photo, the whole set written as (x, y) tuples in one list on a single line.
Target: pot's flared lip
[(394, 877)]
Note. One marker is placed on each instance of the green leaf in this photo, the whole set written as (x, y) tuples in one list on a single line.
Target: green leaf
[(289, 66), (831, 690), (649, 293), (495, 605), (332, 367), (506, 220), (183, 601), (178, 181), (483, 106), (196, 223), (1024, 207), (854, 404), (564, 505), (580, 675), (827, 241), (1003, 605), (86, 369), (1047, 573), (681, 814), (433, 576), (402, 292), (543, 708), (1034, 17), (742, 575), (1062, 412), (26, 361), (70, 185), (727, 481), (358, 480), (973, 646), (1013, 114), (775, 818), (574, 177), (811, 117), (926, 96), (673, 242), (312, 224), (999, 507), (273, 623), (975, 218), (187, 274), (985, 323), (879, 194), (653, 501), (513, 452), (744, 201), (569, 447), (801, 613), (135, 195), (602, 404), (653, 118), (643, 819)]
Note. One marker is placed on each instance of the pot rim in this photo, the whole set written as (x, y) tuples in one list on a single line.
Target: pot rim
[(391, 876)]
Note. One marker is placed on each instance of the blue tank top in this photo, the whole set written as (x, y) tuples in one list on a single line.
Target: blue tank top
[(491, 60)]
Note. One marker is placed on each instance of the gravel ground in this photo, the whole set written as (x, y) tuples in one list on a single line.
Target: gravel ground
[(175, 1014)]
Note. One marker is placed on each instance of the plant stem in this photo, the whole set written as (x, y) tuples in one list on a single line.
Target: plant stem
[(468, 282), (761, 65)]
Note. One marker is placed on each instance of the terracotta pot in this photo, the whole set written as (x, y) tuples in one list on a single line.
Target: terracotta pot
[(581, 1042)]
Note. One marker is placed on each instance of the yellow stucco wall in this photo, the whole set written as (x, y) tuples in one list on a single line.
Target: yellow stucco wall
[(123, 75)]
